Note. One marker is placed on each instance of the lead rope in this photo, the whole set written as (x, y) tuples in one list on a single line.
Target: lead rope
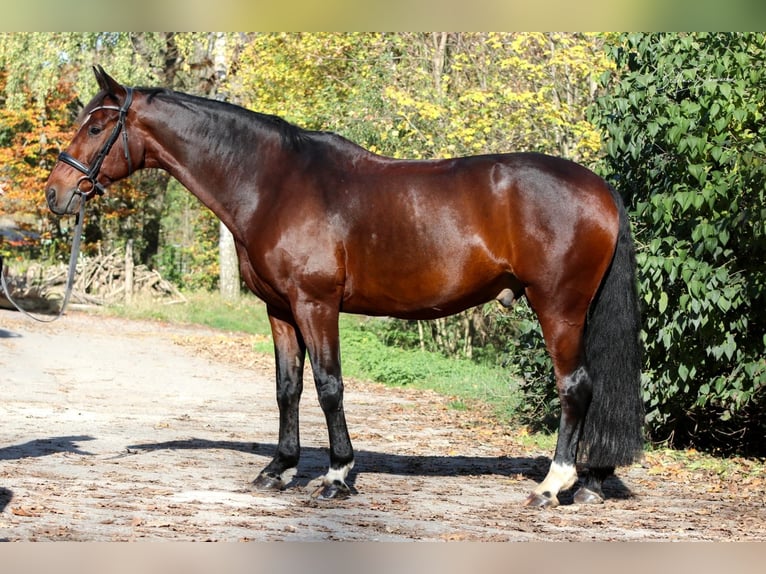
[(70, 278)]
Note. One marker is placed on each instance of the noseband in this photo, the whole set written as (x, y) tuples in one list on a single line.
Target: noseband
[(91, 173)]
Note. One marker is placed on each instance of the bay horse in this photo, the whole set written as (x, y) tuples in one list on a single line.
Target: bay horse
[(323, 226)]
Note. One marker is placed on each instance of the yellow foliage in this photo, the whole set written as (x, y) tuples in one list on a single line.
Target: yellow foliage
[(409, 95)]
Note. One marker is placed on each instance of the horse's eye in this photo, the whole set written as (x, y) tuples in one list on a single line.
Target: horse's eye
[(94, 130)]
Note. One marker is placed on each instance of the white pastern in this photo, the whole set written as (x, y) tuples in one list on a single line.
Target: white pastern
[(560, 477), (288, 475), (338, 474)]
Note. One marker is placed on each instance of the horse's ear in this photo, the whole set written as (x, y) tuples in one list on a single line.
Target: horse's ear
[(107, 83)]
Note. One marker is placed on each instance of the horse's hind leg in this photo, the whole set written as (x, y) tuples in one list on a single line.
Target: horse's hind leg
[(563, 336), (590, 492), (574, 394), (290, 353)]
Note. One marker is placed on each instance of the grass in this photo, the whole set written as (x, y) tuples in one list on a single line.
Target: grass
[(364, 355), (248, 315)]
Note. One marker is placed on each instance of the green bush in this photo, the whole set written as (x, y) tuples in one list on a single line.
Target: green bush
[(685, 132)]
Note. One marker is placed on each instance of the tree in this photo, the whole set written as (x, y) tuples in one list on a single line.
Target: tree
[(324, 81), (684, 124), (229, 277), (467, 93)]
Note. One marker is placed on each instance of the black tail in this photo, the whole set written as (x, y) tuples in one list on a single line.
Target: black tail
[(613, 429)]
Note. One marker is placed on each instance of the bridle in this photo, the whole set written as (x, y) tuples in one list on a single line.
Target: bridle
[(91, 173)]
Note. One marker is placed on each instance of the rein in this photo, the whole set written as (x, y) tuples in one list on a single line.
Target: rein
[(70, 275), (90, 176)]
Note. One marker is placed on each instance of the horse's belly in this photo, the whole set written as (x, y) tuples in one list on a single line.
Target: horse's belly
[(427, 295)]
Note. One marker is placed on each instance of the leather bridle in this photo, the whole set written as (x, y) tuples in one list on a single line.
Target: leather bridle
[(91, 173)]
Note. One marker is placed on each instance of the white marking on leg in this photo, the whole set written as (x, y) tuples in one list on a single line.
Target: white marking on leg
[(559, 477), (338, 474), (288, 475)]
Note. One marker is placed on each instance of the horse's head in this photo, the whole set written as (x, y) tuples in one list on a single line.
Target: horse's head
[(100, 152)]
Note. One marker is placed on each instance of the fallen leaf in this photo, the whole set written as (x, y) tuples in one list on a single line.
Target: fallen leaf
[(21, 511)]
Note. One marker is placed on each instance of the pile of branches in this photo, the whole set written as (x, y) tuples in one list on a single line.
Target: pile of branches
[(100, 280)]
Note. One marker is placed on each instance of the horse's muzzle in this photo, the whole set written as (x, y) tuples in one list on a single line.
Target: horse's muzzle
[(62, 208), (50, 197)]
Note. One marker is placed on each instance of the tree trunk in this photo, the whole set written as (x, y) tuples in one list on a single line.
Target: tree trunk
[(439, 59), (129, 272), (228, 280)]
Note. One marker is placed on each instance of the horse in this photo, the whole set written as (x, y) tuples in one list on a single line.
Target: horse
[(322, 227)]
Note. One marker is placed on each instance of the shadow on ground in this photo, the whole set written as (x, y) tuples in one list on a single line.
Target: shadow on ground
[(44, 447), (314, 463)]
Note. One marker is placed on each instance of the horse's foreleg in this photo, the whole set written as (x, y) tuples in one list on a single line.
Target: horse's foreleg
[(290, 352), (319, 325)]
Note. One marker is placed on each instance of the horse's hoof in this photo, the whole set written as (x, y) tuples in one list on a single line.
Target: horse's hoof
[(587, 496), (267, 482), (539, 501), (335, 490)]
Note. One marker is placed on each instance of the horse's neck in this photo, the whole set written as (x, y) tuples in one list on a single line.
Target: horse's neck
[(215, 172)]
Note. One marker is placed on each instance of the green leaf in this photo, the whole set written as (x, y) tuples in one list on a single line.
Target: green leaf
[(663, 302), (699, 172), (648, 297), (674, 134), (721, 124), (666, 339)]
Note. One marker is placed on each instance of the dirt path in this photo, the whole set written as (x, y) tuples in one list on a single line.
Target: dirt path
[(123, 430)]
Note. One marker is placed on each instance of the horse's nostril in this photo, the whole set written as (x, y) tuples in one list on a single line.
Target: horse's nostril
[(50, 195)]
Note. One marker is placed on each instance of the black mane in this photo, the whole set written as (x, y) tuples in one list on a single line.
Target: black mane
[(293, 137)]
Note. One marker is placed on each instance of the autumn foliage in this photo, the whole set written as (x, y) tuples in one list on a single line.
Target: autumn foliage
[(31, 137), (30, 140)]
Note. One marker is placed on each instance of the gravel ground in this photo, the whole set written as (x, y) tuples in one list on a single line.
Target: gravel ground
[(117, 430)]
